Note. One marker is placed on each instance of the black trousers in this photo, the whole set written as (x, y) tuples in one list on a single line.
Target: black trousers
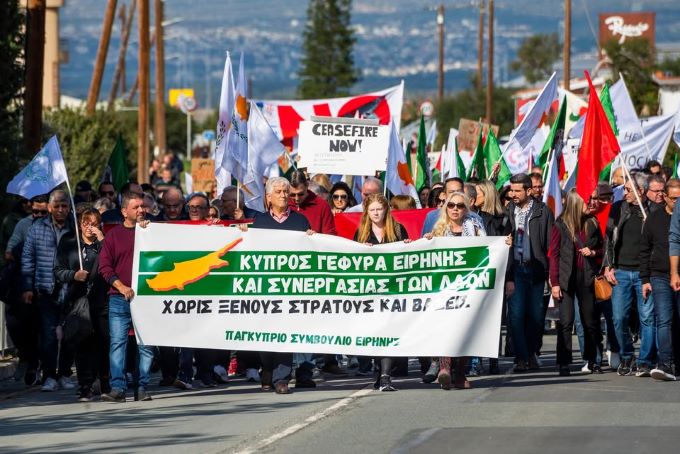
[(23, 326), (590, 318), (92, 354)]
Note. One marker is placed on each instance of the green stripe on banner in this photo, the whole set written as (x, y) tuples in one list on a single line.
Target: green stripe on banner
[(346, 284), (294, 261)]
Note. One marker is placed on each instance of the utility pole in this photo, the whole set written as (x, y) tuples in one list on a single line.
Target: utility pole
[(480, 46), (567, 44), (159, 118), (489, 69), (143, 77), (119, 72), (100, 61), (35, 55), (440, 28)]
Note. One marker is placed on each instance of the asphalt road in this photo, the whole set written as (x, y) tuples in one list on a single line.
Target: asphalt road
[(527, 413)]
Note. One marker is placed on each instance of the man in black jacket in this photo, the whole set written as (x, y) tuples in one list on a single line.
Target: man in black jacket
[(655, 276), (622, 270), (527, 273)]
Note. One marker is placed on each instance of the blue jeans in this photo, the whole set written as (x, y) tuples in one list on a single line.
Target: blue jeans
[(120, 322), (525, 313), (628, 289), (666, 308)]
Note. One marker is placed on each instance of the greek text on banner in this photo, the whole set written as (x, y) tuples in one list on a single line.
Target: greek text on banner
[(268, 290)]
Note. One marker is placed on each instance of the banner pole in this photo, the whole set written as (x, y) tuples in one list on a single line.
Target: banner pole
[(75, 223), (635, 187)]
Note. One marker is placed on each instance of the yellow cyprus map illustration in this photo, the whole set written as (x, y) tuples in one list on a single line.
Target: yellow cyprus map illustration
[(190, 271)]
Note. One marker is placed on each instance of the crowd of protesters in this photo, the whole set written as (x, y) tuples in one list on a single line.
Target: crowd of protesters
[(49, 266)]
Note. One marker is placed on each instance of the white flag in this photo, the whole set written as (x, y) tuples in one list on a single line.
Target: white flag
[(522, 136), (189, 183), (45, 172), (552, 196), (624, 110), (222, 175), (264, 150), (236, 153), (432, 133), (398, 177)]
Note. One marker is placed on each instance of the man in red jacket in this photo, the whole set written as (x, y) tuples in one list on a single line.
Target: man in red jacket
[(314, 208)]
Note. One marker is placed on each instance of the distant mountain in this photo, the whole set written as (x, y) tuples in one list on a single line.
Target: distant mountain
[(396, 40)]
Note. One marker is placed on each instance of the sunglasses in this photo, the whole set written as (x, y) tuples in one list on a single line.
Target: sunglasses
[(441, 202), (197, 207), (40, 212), (339, 196), (451, 205)]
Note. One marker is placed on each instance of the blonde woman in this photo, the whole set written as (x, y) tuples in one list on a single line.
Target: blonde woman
[(377, 226), (455, 220), (575, 249)]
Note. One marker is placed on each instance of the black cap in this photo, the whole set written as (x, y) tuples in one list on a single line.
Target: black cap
[(83, 185)]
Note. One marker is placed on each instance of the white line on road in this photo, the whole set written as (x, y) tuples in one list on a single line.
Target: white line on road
[(309, 421)]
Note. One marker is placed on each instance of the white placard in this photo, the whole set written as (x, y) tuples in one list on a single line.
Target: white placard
[(339, 148)]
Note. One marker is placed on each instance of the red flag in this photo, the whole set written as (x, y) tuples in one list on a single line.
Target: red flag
[(348, 223), (598, 145)]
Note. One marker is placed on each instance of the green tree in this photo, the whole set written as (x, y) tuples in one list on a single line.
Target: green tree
[(87, 141), (327, 68), (671, 66), (634, 59), (536, 56), (11, 75)]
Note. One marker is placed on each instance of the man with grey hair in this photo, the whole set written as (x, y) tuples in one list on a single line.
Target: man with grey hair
[(39, 287), (622, 270), (372, 185), (277, 367), (656, 186)]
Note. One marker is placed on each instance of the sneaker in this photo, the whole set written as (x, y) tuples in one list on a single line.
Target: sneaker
[(166, 381), (625, 367), (207, 382), (221, 374), (184, 385), (50, 385), (85, 394), (614, 359), (643, 371), (521, 366), (142, 395), (586, 368), (444, 379), (282, 388), (97, 387), (66, 383), (115, 395), (386, 384), (663, 372), (305, 383), (596, 369), (431, 374), (252, 375)]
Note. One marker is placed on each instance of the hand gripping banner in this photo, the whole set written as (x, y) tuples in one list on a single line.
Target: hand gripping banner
[(271, 290)]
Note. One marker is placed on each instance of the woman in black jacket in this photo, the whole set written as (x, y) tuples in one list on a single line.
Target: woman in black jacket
[(92, 353), (575, 250)]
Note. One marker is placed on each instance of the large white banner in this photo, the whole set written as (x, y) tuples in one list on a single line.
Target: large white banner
[(339, 148), (284, 116), (268, 290)]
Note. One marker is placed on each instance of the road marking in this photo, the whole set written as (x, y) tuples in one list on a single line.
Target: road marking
[(309, 421), (413, 444)]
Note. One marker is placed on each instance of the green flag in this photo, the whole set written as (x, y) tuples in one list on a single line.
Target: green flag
[(606, 100), (477, 165), (459, 166), (116, 168), (606, 172), (675, 166), (493, 154), (420, 173), (556, 135)]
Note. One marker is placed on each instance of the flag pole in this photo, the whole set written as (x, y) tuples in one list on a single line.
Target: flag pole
[(75, 223), (635, 187), (238, 194)]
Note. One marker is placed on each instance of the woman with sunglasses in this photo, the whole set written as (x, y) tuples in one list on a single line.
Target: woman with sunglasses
[(437, 198), (341, 198), (455, 220), (91, 353), (377, 226)]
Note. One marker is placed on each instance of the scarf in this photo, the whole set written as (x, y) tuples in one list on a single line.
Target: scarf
[(522, 247)]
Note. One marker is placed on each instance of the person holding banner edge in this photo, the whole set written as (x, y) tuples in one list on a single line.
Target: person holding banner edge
[(455, 220), (377, 226)]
